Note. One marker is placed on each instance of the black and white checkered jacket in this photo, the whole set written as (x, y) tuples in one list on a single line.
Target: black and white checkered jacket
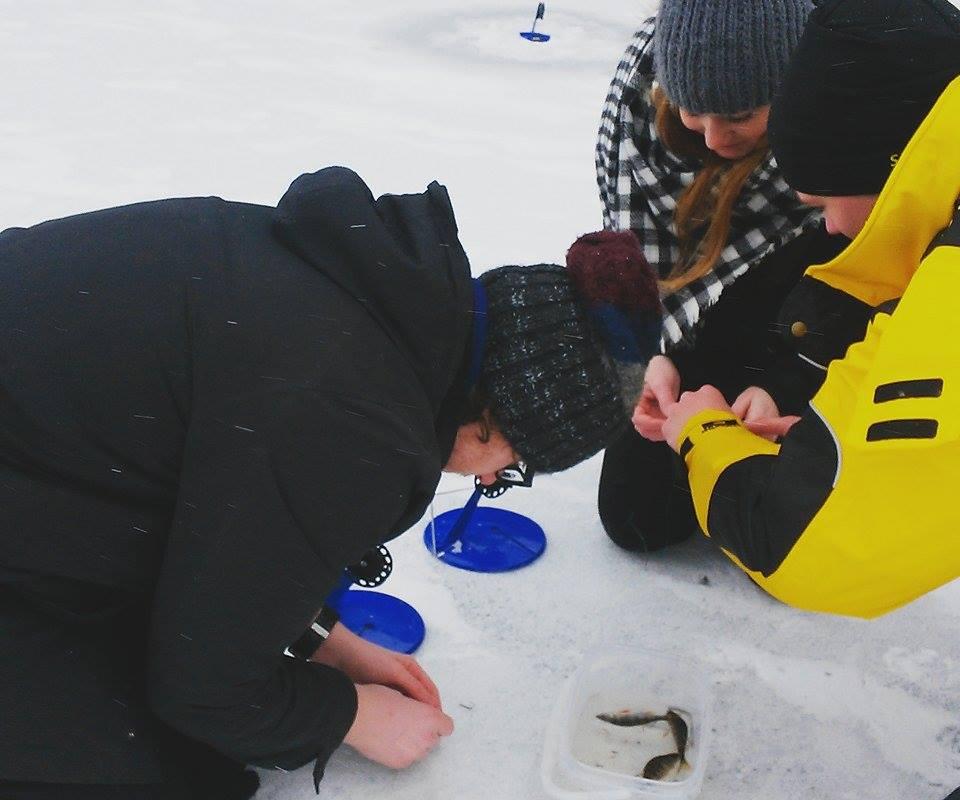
[(641, 181)]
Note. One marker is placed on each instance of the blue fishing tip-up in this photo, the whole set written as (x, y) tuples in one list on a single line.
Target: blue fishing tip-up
[(532, 35), (382, 619), (484, 539), (374, 616)]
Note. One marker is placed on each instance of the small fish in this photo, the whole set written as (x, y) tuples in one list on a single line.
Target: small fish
[(628, 719), (679, 729), (660, 767)]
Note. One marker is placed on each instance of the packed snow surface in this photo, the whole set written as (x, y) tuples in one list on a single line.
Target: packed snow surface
[(108, 102)]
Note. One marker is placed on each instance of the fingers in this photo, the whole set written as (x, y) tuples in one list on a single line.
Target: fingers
[(772, 428), (649, 427), (755, 403), (666, 396), (405, 683), (663, 380), (422, 739), (661, 393), (410, 679), (394, 730), (428, 692), (647, 417), (661, 386), (741, 406), (647, 403), (446, 725), (706, 396)]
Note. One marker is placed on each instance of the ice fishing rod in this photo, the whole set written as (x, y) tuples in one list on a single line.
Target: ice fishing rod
[(533, 35), (518, 474)]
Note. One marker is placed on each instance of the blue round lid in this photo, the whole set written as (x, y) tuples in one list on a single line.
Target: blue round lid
[(382, 619), (494, 540)]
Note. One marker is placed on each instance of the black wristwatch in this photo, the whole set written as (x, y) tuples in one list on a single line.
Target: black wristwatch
[(315, 635)]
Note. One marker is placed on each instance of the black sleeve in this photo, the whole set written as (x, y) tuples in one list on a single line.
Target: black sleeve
[(279, 492), (760, 505), (818, 324), (791, 381), (741, 341)]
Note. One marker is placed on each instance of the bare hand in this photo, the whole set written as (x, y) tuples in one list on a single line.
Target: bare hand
[(394, 730), (755, 404), (661, 386), (690, 404), (364, 662), (772, 428)]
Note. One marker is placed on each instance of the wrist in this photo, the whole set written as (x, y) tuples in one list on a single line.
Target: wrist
[(701, 423), (357, 728), (307, 646)]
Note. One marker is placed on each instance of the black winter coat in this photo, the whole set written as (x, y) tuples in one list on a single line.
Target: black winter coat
[(775, 329), (207, 410)]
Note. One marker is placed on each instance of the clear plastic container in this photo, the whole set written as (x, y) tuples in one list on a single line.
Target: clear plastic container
[(586, 758)]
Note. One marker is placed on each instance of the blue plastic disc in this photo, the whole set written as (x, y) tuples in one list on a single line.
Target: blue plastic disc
[(382, 619), (535, 36), (494, 540)]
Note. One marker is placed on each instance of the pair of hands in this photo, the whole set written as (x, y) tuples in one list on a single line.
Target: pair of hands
[(399, 717), (662, 412)]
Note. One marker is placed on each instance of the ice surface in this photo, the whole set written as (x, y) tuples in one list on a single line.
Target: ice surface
[(111, 101)]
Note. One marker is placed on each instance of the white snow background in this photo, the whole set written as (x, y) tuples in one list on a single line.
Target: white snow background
[(107, 102)]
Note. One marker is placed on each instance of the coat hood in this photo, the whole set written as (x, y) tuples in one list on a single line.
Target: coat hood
[(397, 255)]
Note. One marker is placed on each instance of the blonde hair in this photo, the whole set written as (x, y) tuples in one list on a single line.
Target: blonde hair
[(710, 198)]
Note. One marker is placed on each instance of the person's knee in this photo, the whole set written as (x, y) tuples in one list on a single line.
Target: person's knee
[(619, 523), (643, 504), (645, 533)]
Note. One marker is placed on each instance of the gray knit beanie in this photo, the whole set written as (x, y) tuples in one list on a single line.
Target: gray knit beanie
[(725, 56)]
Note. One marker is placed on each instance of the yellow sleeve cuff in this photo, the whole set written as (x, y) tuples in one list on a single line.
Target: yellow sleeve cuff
[(709, 443)]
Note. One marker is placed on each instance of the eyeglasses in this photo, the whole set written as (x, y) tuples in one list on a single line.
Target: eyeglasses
[(518, 474)]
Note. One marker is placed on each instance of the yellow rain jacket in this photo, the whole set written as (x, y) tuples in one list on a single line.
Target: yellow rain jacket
[(858, 511)]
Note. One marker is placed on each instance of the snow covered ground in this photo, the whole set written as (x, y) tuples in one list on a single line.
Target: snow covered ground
[(112, 101)]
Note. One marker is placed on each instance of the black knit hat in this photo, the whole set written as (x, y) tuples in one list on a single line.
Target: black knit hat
[(864, 76), (549, 372), (725, 56)]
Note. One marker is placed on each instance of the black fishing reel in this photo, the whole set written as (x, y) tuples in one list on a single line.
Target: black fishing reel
[(493, 490), (373, 569)]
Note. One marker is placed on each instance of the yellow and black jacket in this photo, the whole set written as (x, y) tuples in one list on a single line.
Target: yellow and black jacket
[(857, 512)]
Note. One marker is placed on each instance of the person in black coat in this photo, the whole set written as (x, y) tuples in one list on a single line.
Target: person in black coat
[(208, 410)]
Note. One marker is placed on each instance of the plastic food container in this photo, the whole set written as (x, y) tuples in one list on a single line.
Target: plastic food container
[(586, 758)]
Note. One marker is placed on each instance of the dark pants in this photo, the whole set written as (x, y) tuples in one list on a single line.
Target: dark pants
[(644, 499), (237, 785), (69, 675), (59, 791)]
